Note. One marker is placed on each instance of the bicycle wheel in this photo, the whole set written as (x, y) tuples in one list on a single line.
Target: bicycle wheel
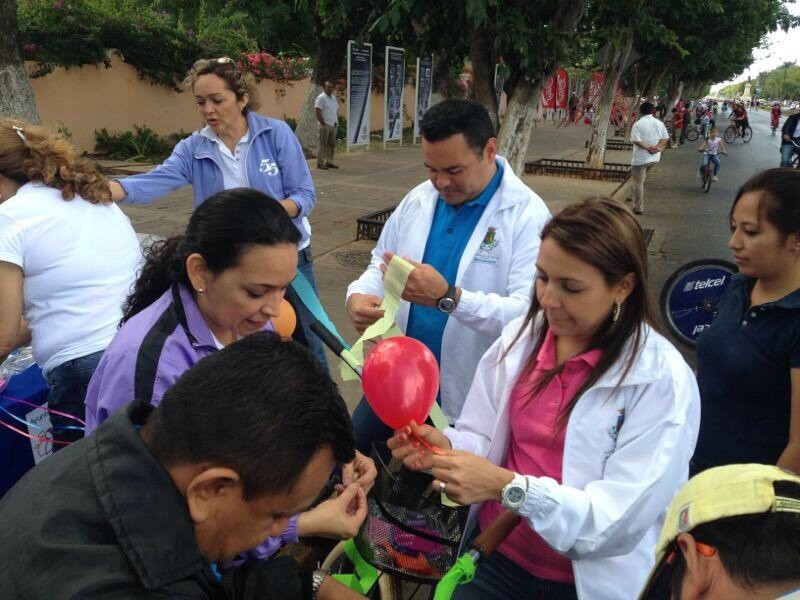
[(690, 297), (707, 178), (691, 134), (730, 134), (747, 135)]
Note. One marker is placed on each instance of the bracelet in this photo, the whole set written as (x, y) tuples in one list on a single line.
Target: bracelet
[(316, 582)]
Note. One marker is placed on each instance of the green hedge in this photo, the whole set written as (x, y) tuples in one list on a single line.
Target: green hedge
[(69, 33)]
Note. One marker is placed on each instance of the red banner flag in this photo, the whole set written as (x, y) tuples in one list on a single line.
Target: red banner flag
[(594, 87), (562, 83), (549, 93)]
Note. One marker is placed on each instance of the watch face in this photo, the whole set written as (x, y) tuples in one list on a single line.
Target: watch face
[(515, 496), (447, 304)]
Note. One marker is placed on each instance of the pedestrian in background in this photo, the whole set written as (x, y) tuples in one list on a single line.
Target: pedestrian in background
[(649, 137), (326, 108)]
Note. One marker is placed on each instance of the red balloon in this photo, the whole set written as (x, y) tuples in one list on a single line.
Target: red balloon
[(400, 378)]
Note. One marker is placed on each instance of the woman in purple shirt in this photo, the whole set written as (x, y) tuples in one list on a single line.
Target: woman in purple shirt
[(198, 292)]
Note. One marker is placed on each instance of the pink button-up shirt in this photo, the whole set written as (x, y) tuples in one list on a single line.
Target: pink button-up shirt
[(537, 448)]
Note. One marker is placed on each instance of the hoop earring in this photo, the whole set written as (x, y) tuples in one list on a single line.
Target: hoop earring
[(617, 311)]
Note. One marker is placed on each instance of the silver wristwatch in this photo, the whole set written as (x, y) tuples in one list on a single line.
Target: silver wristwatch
[(515, 492), (316, 582)]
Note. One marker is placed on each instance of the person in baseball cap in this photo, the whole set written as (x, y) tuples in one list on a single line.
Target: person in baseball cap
[(730, 533)]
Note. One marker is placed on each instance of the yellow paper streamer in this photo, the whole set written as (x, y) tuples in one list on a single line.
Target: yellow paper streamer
[(394, 282)]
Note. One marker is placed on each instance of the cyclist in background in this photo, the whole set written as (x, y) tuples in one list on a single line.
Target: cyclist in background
[(790, 139), (711, 149), (739, 116), (776, 116)]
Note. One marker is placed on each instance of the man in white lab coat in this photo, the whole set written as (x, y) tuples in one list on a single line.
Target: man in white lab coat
[(472, 230)]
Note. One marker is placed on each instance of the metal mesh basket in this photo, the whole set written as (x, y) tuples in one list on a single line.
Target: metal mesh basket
[(408, 532)]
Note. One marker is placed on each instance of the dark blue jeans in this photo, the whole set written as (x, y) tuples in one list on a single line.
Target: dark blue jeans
[(305, 264), (368, 428), (68, 383), (503, 579)]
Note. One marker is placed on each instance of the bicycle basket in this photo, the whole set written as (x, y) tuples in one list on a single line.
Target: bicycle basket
[(408, 532)]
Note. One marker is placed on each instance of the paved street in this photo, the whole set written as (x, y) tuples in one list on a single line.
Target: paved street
[(687, 223)]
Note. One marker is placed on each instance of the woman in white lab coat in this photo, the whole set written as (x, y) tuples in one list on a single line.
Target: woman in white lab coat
[(581, 418)]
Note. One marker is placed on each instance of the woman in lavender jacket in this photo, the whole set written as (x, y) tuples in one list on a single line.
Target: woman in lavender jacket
[(198, 292)]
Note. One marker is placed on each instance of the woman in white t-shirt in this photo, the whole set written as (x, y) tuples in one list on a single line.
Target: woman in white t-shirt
[(68, 258)]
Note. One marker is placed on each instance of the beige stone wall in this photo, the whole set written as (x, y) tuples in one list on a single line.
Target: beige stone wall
[(89, 98)]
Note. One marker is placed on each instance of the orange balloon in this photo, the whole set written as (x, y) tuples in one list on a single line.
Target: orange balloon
[(286, 321)]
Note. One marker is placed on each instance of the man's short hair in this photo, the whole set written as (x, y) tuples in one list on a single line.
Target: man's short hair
[(453, 116), (261, 406), (749, 513), (646, 108)]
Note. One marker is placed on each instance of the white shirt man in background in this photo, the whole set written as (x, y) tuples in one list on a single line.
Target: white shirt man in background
[(326, 107), (649, 137)]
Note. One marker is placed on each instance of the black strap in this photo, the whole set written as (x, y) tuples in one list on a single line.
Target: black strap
[(153, 343)]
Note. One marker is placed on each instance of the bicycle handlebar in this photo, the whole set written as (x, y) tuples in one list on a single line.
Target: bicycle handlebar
[(330, 340), (336, 346), (490, 538)]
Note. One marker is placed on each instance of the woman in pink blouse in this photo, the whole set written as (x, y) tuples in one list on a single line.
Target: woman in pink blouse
[(581, 418)]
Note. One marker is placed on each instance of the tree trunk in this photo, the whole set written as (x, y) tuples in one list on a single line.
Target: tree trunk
[(614, 63), (655, 83), (16, 95), (329, 57), (483, 62), (515, 131), (674, 91)]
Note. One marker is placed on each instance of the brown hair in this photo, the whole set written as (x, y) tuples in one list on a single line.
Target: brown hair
[(779, 198), (226, 69), (605, 235), (32, 153)]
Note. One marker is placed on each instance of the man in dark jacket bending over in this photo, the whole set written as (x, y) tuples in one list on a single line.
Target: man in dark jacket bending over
[(157, 503)]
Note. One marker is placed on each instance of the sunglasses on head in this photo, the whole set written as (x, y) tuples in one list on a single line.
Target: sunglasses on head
[(224, 61)]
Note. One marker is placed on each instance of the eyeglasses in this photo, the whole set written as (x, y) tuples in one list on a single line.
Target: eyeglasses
[(224, 60)]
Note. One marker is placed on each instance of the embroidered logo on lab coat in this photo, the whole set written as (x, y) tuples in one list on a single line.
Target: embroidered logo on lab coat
[(486, 252)]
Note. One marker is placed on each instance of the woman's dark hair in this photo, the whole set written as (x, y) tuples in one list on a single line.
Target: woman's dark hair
[(755, 550), (779, 198), (605, 235), (453, 116), (220, 230), (260, 406)]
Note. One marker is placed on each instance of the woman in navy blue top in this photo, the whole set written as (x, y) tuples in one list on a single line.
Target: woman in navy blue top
[(748, 361)]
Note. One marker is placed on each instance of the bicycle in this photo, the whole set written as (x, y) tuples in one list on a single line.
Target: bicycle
[(708, 172), (411, 532), (732, 132), (411, 535), (692, 133), (794, 162)]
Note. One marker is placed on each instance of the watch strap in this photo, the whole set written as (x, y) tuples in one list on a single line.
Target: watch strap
[(450, 293)]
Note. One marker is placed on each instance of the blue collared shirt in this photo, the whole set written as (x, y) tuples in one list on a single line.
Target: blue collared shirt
[(450, 231)]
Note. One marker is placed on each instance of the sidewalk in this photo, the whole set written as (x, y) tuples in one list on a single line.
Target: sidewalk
[(369, 181)]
